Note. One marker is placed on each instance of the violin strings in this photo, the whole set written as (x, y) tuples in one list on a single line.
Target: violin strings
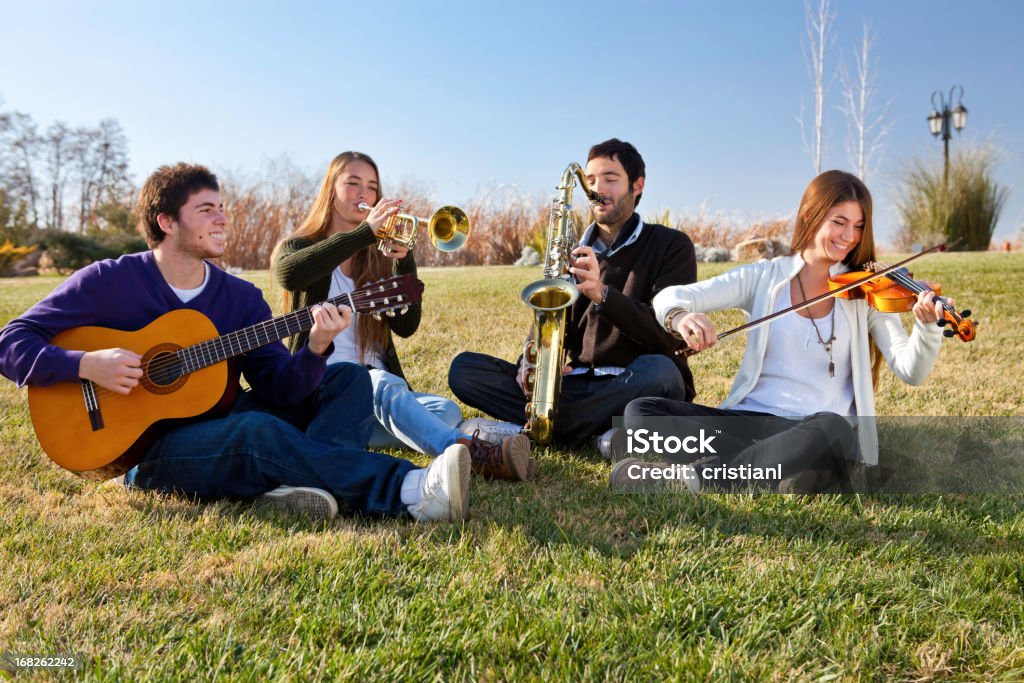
[(901, 278)]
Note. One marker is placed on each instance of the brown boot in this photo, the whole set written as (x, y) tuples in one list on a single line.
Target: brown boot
[(509, 460)]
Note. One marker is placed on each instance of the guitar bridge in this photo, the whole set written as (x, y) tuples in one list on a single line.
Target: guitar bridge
[(92, 405)]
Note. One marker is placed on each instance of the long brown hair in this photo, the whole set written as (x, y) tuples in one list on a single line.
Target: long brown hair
[(368, 265), (824, 192)]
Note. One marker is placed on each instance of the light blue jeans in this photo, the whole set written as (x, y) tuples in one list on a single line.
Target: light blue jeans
[(422, 422)]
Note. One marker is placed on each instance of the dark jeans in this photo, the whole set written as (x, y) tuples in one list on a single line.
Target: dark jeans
[(318, 443), (587, 402), (815, 452)]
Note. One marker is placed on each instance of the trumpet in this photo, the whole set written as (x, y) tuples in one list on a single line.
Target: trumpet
[(448, 228)]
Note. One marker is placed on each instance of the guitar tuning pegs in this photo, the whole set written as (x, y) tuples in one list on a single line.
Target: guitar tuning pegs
[(376, 315), (948, 333), (404, 309), (390, 313)]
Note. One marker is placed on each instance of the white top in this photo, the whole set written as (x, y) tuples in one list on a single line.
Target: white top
[(794, 379), (187, 295), (755, 287), (346, 348)]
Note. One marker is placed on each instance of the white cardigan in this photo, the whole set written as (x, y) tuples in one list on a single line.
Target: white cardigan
[(754, 289)]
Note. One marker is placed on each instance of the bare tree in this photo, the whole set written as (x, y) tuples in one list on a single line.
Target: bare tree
[(99, 160), (19, 150), (867, 128), (820, 39), (58, 144)]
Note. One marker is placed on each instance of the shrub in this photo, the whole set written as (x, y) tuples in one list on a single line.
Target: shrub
[(964, 214), (10, 254), (117, 243), (67, 251)]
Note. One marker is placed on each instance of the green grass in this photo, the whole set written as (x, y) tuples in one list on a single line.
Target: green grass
[(559, 579)]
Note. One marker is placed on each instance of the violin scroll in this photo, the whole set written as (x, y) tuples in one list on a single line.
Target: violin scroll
[(959, 325)]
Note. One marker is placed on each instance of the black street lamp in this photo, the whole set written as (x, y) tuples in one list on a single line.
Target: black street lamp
[(939, 123)]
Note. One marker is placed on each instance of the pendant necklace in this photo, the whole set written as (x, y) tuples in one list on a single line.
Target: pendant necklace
[(832, 332)]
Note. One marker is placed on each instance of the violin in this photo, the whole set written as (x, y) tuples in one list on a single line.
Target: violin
[(888, 289), (896, 292)]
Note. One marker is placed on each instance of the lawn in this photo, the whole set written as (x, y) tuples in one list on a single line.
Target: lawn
[(558, 579)]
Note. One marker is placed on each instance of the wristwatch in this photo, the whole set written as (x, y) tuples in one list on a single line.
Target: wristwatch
[(604, 297)]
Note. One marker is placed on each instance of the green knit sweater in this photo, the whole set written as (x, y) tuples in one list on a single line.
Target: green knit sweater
[(304, 268)]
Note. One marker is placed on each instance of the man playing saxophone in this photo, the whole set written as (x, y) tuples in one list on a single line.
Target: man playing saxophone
[(615, 349)]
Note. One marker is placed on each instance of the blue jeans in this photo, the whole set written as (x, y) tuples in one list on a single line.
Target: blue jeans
[(318, 443), (587, 402), (423, 422)]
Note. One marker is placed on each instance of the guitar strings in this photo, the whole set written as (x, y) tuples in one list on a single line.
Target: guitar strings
[(361, 297), (287, 317)]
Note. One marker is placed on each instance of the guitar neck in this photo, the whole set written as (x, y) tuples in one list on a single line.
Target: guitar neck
[(213, 351)]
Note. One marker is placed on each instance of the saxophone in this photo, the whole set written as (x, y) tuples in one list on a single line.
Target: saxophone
[(550, 298)]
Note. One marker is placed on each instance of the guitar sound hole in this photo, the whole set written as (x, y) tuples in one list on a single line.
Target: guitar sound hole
[(164, 369)]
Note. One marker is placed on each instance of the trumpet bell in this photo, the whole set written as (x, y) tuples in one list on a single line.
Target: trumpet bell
[(449, 228)]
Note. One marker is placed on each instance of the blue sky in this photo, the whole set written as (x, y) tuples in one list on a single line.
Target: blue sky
[(466, 96)]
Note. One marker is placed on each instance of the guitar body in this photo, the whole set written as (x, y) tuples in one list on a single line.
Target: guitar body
[(73, 439), (187, 374)]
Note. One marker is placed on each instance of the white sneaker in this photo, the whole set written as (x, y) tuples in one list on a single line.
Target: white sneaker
[(314, 503), (491, 431), (604, 445), (445, 487)]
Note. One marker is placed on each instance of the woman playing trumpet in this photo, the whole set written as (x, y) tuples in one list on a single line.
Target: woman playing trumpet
[(333, 251)]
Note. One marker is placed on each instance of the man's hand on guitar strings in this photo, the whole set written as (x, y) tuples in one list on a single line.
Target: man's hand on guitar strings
[(116, 369)]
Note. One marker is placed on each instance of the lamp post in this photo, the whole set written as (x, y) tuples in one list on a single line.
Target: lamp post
[(941, 117)]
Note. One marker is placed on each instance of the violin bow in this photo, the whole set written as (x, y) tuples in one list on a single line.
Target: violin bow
[(687, 352)]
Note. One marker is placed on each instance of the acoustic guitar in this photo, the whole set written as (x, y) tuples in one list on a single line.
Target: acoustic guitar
[(100, 434)]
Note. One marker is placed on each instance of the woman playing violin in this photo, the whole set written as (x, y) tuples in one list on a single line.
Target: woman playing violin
[(804, 372)]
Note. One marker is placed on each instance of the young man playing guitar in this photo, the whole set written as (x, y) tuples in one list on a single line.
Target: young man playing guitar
[(297, 437)]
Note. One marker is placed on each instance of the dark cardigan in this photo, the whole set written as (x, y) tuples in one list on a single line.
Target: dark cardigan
[(303, 267), (625, 327)]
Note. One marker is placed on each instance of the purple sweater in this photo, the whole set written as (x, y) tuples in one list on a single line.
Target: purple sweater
[(128, 294)]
